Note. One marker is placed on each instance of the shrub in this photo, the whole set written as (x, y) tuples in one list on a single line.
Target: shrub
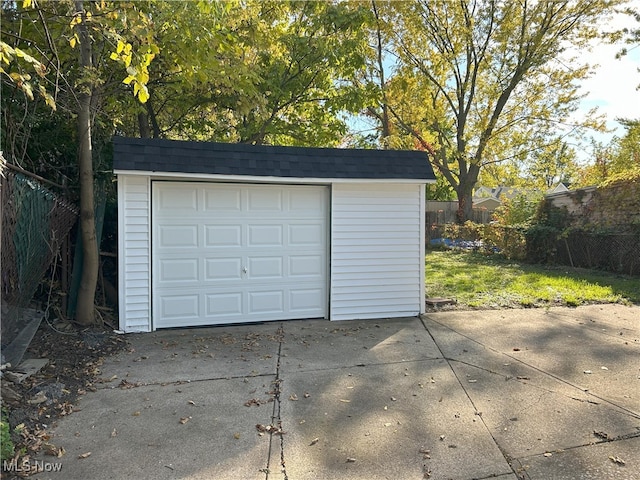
[(6, 445)]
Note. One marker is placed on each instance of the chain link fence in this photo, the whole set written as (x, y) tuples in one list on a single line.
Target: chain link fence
[(34, 223), (615, 252)]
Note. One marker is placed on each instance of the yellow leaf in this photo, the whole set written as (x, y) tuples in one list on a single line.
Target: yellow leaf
[(120, 46), (26, 88), (143, 78), (128, 80), (72, 42), (136, 88), (143, 94), (27, 4), (47, 98), (114, 56)]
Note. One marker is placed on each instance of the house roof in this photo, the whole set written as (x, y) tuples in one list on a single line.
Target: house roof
[(159, 155)]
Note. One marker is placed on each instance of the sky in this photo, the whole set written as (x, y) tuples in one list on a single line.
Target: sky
[(612, 88)]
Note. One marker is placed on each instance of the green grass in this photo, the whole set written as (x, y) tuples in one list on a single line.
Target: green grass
[(479, 281)]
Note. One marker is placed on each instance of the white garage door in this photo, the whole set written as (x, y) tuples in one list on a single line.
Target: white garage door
[(229, 253)]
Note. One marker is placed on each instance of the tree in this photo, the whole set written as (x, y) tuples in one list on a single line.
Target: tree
[(50, 31), (619, 158), (484, 77), (304, 54), (89, 279)]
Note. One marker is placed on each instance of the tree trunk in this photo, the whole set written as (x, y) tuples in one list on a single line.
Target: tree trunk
[(143, 124), (85, 313), (465, 193), (465, 204)]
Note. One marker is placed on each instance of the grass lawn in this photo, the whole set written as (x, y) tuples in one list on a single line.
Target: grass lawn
[(480, 281)]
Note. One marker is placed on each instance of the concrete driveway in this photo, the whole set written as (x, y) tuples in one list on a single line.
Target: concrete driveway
[(533, 394)]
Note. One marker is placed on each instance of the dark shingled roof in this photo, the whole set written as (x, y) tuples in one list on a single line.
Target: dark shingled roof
[(157, 155)]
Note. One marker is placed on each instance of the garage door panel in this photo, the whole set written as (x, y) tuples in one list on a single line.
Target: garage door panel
[(306, 266), (223, 235), (223, 200), (265, 268), (263, 199), (264, 236), (306, 235), (179, 307), (270, 301), (239, 253), (178, 198), (307, 201), (224, 304), (306, 300), (177, 236), (178, 270), (223, 269)]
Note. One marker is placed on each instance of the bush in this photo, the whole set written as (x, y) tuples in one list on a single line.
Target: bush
[(467, 231), (541, 241), (510, 240), (517, 211), (6, 445)]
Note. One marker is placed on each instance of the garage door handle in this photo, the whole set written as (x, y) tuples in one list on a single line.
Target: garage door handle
[(244, 269)]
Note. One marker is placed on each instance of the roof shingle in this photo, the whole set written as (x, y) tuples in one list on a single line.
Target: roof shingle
[(173, 156)]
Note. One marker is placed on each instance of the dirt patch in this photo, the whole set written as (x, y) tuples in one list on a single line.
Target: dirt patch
[(75, 356)]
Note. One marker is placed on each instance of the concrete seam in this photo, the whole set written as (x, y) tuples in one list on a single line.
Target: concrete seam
[(276, 418), (559, 379), (475, 408)]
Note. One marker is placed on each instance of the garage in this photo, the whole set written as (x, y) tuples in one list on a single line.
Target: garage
[(212, 233), (227, 253)]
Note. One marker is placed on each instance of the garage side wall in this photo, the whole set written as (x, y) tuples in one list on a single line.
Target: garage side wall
[(377, 251), (134, 264)]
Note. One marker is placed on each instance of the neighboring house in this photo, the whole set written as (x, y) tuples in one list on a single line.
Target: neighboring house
[(560, 188), (491, 198), (215, 233)]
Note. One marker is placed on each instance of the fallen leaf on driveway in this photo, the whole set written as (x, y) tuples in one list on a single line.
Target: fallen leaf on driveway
[(588, 372), (52, 450), (350, 459), (314, 441), (617, 460), (269, 429), (603, 435), (345, 401), (84, 455), (293, 397), (306, 395), (184, 420), (426, 453), (114, 432), (547, 454)]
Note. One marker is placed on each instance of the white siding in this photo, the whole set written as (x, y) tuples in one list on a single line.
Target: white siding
[(134, 253), (377, 251)]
